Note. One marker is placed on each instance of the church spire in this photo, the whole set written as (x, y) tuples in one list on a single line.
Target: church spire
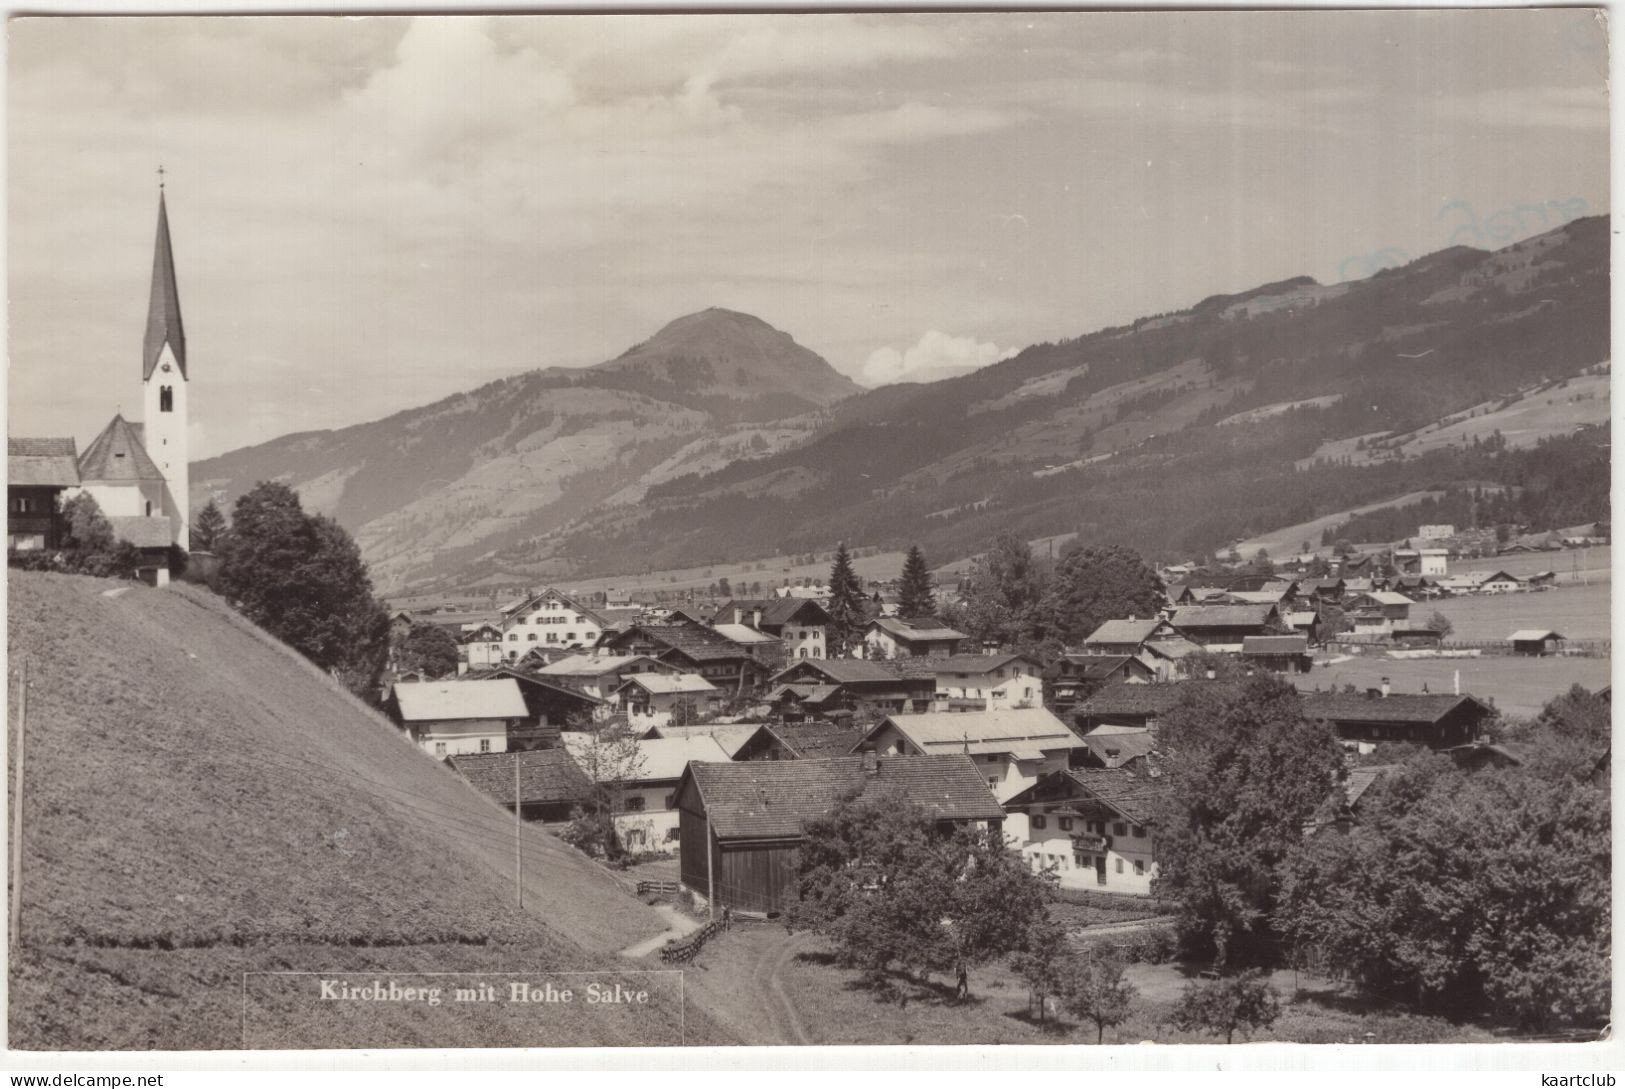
[(164, 309)]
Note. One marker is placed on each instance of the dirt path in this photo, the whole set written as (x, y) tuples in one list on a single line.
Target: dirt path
[(765, 976), (680, 925)]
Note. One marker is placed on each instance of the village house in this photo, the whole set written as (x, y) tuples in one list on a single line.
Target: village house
[(601, 675), (1113, 747), (1277, 653), (551, 704), (1379, 613), (654, 699), (448, 718), (811, 740), (549, 619), (1378, 714), (1536, 642), (980, 682), (1092, 826), (551, 784), (1126, 636), (694, 648), (740, 740), (802, 625), (1306, 623), (880, 687), (1222, 628), (1136, 705), (37, 473), (640, 778), (742, 823), (1482, 582), (480, 647), (921, 637), (1011, 748), (1074, 677)]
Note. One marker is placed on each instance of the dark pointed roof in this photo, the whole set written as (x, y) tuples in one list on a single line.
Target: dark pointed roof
[(116, 456), (164, 308)]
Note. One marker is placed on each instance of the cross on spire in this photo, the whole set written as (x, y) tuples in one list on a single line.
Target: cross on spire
[(161, 176)]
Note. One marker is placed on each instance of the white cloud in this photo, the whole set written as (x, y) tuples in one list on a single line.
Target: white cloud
[(936, 356)]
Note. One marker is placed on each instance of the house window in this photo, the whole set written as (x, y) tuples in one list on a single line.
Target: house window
[(571, 636), (992, 782), (22, 505), (1038, 821), (1139, 868), (1119, 829), (1139, 832), (634, 804), (440, 748), (166, 399), (1079, 859), (485, 744), (1119, 865), (513, 637), (149, 508), (1066, 824), (671, 834), (533, 637)]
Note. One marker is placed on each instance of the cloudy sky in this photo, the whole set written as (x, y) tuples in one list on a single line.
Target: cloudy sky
[(372, 213)]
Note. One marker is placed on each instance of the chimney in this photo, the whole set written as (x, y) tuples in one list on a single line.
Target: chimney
[(1386, 688)]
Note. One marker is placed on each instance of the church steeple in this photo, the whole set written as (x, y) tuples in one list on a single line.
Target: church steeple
[(164, 308)]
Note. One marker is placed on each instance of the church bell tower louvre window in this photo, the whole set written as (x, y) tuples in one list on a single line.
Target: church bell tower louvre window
[(166, 399)]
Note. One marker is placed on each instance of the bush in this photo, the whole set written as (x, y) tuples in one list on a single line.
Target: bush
[(118, 561)]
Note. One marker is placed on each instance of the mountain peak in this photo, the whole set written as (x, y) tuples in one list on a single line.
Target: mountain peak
[(724, 353)]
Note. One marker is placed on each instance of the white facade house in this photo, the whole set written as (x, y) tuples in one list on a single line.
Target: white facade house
[(601, 675), (1091, 826), (449, 718), (925, 637), (649, 699), (987, 682), (1011, 748), (549, 620), (645, 774), (482, 647)]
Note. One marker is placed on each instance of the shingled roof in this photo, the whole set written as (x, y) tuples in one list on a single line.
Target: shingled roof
[(920, 629), (1123, 631), (547, 775), (1130, 792), (766, 799), (811, 740), (1420, 708), (1026, 733), (698, 642), (1222, 616), (843, 670), (776, 611), (1133, 699), (42, 463), (1275, 644), (117, 456)]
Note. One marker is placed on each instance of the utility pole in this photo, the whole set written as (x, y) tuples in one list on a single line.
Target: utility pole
[(710, 872), (518, 856), (17, 809)]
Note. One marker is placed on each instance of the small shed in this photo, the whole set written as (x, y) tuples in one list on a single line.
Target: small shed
[(1536, 642), (741, 823), (551, 784)]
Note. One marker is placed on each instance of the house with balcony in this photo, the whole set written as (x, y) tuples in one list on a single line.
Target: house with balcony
[(1379, 613), (38, 471), (1223, 628), (1362, 719), (640, 777), (1094, 827), (920, 637), (551, 620), (801, 624)]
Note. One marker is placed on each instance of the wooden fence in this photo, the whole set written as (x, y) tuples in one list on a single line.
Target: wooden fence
[(681, 952), (660, 888)]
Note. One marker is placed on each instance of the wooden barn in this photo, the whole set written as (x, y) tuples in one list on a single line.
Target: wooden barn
[(740, 824)]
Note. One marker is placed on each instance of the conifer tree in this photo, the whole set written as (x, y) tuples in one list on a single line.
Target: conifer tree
[(846, 612), (210, 528), (918, 598)]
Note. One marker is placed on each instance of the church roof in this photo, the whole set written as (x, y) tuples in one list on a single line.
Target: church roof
[(164, 307), (116, 456)]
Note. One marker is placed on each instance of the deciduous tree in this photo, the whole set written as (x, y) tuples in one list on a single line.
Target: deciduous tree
[(1245, 771), (301, 577), (1092, 585), (1221, 1006), (428, 649), (1096, 990)]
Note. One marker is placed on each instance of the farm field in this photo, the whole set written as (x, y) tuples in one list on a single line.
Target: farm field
[(1519, 686), (1579, 612), (1289, 540), (1571, 564)]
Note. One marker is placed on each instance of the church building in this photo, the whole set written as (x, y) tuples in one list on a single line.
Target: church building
[(139, 472)]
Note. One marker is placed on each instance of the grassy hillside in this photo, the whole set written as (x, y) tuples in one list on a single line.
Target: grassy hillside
[(199, 802)]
